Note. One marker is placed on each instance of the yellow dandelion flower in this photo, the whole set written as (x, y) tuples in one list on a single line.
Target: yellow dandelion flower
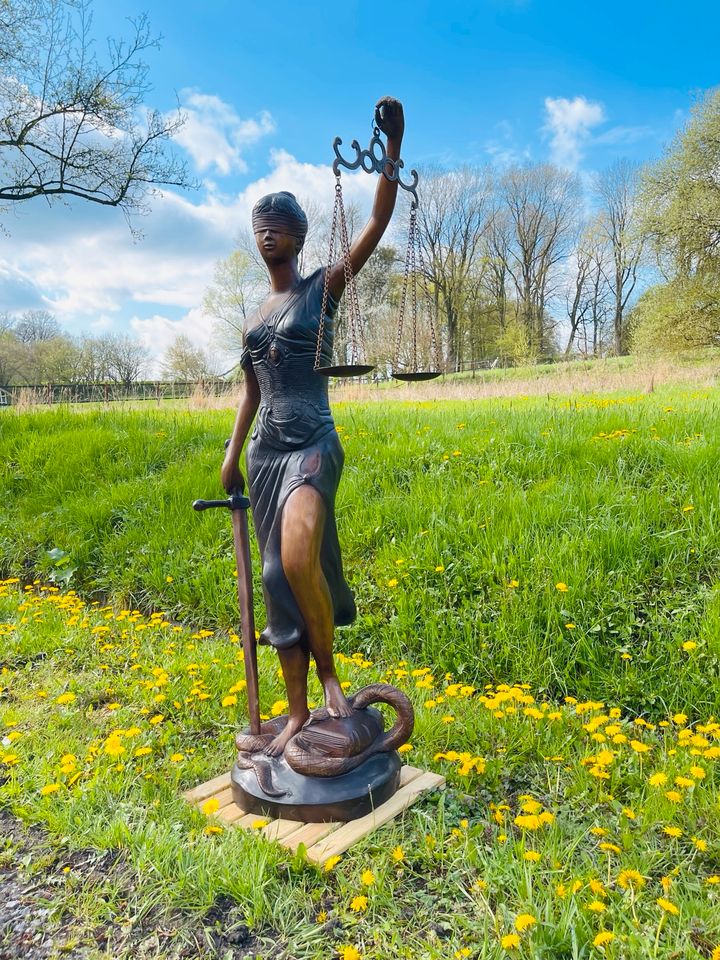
[(672, 832), (349, 953), (211, 829), (359, 904), (65, 698), (597, 906), (562, 587), (331, 863), (605, 936), (49, 788), (210, 806), (511, 941), (657, 779), (229, 701), (367, 878), (667, 906), (524, 921), (628, 879), (532, 856), (405, 748), (113, 746), (177, 757), (398, 855)]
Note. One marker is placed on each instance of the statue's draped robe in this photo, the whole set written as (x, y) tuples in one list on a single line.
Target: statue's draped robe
[(294, 442)]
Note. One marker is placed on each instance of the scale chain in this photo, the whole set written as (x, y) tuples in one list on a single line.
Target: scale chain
[(433, 333), (326, 283), (403, 299), (351, 296)]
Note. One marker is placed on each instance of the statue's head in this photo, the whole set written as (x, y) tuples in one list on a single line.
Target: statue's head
[(281, 212)]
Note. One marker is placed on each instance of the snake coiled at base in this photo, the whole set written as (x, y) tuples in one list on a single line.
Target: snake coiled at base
[(311, 753)]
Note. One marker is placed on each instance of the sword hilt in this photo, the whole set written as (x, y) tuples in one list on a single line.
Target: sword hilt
[(236, 501)]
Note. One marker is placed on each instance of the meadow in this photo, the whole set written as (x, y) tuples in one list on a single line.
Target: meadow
[(539, 574)]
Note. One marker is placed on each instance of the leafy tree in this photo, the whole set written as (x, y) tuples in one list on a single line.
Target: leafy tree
[(681, 315), (238, 284), (681, 217), (73, 123), (681, 195), (184, 361)]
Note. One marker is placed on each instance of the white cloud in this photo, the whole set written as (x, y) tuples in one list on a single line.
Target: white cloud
[(81, 262), (158, 332), (624, 135), (215, 136), (568, 124)]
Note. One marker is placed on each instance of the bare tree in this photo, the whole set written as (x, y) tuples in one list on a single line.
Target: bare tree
[(541, 203), (113, 357), (588, 295), (453, 219), (34, 326), (618, 189), (127, 359), (70, 122)]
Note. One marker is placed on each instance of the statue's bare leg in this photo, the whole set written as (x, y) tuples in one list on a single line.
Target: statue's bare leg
[(294, 662), (303, 523)]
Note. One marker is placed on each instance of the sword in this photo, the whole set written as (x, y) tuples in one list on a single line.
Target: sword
[(238, 505)]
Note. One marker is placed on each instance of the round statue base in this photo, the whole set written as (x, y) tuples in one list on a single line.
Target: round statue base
[(318, 799)]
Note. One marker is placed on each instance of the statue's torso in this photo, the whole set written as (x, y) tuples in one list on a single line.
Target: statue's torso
[(294, 409)]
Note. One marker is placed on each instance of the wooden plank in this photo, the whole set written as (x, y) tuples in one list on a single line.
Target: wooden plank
[(322, 840), (231, 814), (205, 790), (280, 828), (344, 837), (408, 774), (309, 833)]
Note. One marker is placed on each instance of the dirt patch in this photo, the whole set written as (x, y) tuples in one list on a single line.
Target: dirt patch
[(43, 888)]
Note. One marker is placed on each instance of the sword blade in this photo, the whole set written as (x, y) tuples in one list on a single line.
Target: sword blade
[(247, 616)]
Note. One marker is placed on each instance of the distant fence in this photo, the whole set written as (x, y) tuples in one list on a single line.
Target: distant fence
[(51, 393)]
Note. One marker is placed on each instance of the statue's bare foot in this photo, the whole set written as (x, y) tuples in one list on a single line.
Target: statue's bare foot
[(276, 746), (337, 705)]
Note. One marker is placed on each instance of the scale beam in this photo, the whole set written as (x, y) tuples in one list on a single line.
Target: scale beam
[(375, 160)]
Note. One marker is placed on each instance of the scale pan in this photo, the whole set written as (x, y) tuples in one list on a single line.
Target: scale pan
[(419, 375), (346, 370)]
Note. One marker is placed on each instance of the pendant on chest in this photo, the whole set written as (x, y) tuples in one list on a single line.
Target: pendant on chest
[(274, 354)]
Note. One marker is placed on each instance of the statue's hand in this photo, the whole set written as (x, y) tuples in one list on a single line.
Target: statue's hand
[(230, 476), (390, 118)]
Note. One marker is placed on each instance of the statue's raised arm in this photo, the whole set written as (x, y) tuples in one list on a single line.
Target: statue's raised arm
[(390, 119)]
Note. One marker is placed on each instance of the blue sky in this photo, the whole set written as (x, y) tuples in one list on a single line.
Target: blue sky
[(268, 85)]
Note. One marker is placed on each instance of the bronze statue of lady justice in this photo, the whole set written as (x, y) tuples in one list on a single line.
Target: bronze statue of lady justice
[(337, 762)]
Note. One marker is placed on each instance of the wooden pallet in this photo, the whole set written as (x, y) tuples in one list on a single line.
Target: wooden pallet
[(321, 840)]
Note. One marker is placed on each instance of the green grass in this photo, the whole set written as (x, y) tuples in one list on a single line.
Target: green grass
[(106, 716), (493, 492), (505, 555)]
